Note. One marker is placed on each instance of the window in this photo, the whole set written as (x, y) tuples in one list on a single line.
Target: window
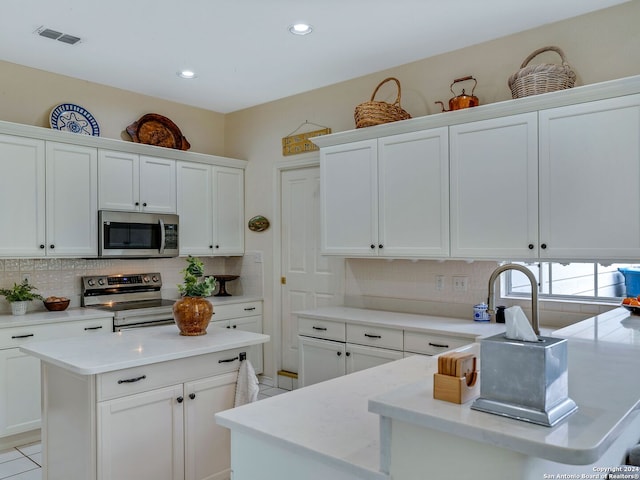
[(573, 281)]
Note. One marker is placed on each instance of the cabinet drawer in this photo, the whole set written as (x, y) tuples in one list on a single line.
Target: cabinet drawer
[(15, 336), (149, 377), (375, 336), (311, 327), (432, 344), (223, 312)]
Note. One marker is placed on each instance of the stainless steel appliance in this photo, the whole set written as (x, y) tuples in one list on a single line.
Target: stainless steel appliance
[(139, 235), (134, 299)]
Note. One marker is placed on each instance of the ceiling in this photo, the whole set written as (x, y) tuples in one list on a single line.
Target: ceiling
[(242, 51)]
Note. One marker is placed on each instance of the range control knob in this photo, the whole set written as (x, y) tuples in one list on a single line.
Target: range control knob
[(90, 282), (101, 281), (145, 279), (155, 279)]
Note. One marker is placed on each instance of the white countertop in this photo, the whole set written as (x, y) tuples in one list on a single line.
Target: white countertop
[(43, 317), (102, 353), (407, 321), (618, 325)]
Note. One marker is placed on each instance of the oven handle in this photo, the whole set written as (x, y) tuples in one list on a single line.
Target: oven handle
[(162, 235), (148, 324)]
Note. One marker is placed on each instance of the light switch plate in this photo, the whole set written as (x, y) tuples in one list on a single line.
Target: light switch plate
[(460, 283)]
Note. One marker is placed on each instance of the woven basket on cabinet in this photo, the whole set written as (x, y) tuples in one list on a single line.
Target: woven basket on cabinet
[(543, 78), (374, 112)]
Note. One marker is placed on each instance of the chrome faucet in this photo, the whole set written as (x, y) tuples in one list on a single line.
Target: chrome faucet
[(534, 291)]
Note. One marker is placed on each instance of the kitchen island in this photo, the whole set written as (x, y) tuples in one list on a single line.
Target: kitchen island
[(138, 404), (384, 423)]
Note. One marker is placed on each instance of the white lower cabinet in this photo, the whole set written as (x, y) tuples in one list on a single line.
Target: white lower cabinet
[(320, 360), (20, 407), (360, 357), (151, 422)]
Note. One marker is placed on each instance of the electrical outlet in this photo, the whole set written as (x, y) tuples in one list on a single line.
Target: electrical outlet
[(257, 257), (439, 283), (460, 283)]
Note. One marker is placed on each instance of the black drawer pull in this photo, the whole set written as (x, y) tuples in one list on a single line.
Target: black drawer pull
[(437, 345), (228, 360), (322, 329), (93, 328), (132, 380), (192, 396), (248, 309), (23, 336), (368, 335)]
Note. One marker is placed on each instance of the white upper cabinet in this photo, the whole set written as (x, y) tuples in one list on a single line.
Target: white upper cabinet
[(210, 203), (22, 196), (494, 188), (590, 180), (72, 203), (138, 183), (386, 197)]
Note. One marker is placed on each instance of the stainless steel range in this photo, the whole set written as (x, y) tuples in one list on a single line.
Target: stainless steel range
[(135, 299)]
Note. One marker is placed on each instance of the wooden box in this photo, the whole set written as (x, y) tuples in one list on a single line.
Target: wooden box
[(455, 389)]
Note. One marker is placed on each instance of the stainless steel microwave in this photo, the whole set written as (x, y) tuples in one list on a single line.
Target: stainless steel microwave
[(137, 235)]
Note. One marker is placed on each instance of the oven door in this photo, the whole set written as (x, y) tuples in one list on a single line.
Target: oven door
[(134, 234), (142, 318)]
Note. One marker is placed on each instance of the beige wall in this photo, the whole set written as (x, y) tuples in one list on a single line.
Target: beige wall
[(28, 95), (599, 46)]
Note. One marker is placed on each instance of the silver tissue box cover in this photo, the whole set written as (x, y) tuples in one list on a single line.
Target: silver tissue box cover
[(524, 380)]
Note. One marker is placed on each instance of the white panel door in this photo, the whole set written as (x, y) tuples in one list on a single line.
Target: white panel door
[(142, 436), (311, 280), (207, 444), (119, 181), (361, 357), (19, 392), (590, 180), (195, 208), (22, 194), (413, 179), (494, 188), (157, 185), (349, 199), (228, 211), (72, 200), (320, 360)]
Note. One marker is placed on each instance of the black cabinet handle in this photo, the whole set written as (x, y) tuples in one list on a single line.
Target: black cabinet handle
[(27, 335), (380, 246), (132, 380), (179, 399), (192, 396), (41, 245), (93, 328), (228, 360), (437, 345), (322, 329), (52, 246), (144, 204), (234, 326), (217, 246), (368, 335), (137, 204), (531, 246), (348, 354), (248, 309), (372, 246), (210, 246), (339, 353), (543, 246)]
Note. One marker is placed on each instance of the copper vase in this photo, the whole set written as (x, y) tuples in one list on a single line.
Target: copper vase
[(192, 315)]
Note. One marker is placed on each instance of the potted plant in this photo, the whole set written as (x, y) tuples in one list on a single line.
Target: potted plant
[(19, 296), (192, 312)]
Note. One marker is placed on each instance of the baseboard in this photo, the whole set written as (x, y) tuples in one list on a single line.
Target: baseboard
[(19, 439)]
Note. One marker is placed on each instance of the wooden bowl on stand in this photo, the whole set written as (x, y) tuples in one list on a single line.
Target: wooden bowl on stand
[(222, 281)]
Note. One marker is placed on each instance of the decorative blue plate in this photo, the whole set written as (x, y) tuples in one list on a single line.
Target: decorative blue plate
[(73, 118)]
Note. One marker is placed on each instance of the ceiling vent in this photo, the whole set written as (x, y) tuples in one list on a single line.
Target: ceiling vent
[(55, 35)]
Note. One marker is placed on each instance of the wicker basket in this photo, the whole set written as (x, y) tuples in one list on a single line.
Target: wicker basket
[(543, 78), (373, 112)]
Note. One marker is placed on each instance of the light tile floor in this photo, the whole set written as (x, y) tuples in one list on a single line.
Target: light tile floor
[(24, 462)]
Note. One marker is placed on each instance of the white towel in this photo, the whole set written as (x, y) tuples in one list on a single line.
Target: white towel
[(247, 384)]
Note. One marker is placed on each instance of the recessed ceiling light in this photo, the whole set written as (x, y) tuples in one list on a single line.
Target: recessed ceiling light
[(187, 74), (301, 29)]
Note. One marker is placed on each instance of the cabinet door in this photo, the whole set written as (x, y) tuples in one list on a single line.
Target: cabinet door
[(360, 357), (142, 436), (349, 199), (320, 360), (19, 392), (413, 179), (494, 188), (119, 181), (590, 180), (72, 200), (251, 324), (195, 208), (22, 194), (228, 211), (157, 185), (207, 445)]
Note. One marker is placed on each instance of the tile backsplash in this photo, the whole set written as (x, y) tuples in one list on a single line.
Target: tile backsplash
[(61, 276)]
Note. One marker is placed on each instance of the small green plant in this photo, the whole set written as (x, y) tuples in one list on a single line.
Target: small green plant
[(194, 284), (22, 292)]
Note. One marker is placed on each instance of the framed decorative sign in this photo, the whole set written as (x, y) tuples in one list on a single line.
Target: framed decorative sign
[(296, 143)]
